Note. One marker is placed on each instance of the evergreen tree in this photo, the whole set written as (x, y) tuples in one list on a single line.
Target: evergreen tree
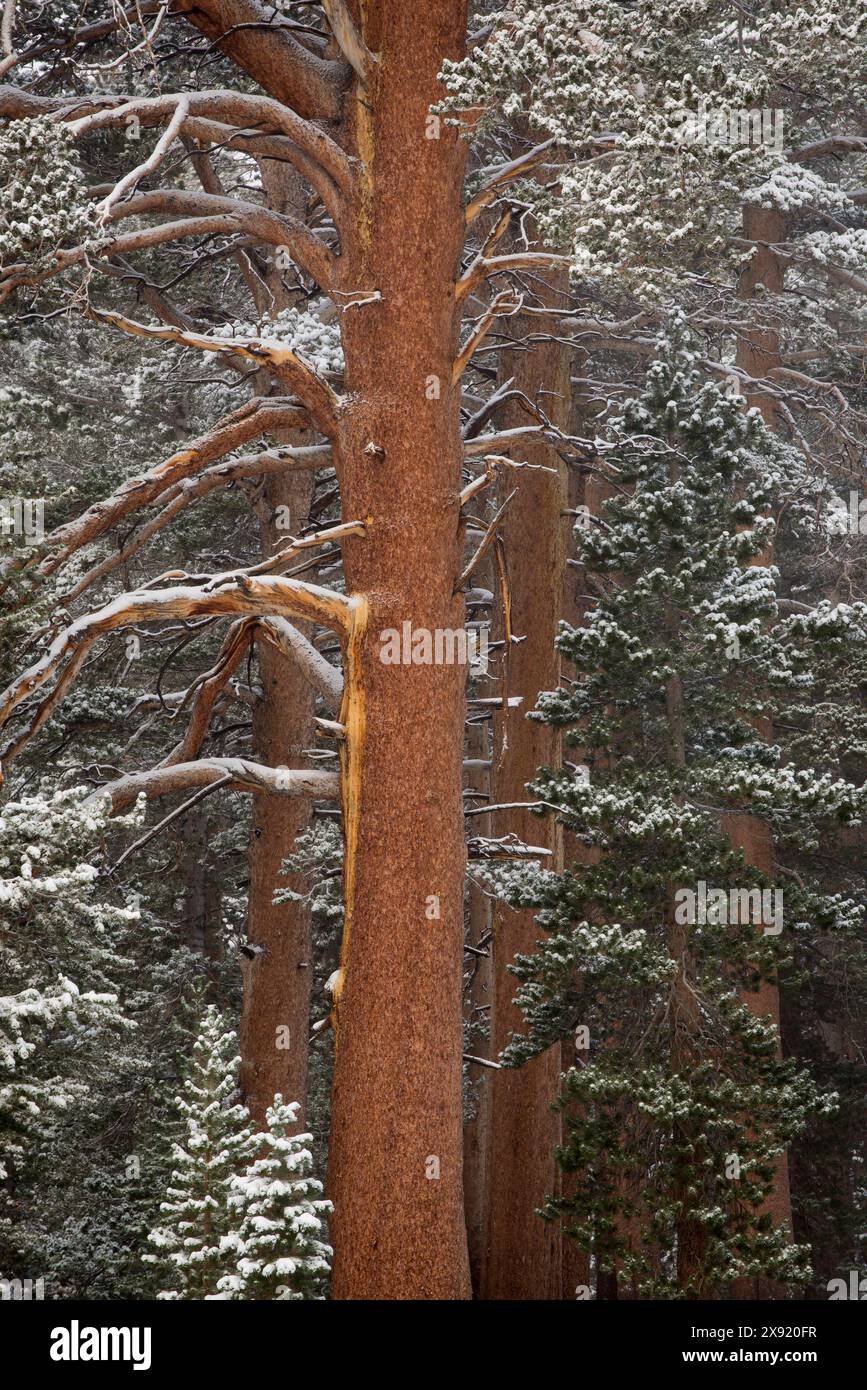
[(677, 1117), (276, 1245), (189, 1240)]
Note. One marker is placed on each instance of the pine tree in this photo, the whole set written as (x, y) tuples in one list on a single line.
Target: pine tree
[(219, 1141), (683, 1105), (276, 1245)]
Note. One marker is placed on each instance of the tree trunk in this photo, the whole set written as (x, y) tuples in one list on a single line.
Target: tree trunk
[(275, 1015), (395, 1158), (523, 1255), (277, 977)]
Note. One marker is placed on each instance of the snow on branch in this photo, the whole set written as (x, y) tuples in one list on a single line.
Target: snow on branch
[(189, 490), (243, 110), (228, 596), (324, 677), (132, 179), (237, 774), (312, 389), (255, 418)]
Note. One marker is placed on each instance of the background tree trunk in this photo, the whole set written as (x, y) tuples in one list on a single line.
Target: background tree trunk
[(523, 1256)]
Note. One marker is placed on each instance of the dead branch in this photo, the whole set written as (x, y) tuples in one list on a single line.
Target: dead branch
[(312, 390), (229, 596), (324, 677), (255, 418), (506, 174), (240, 774)]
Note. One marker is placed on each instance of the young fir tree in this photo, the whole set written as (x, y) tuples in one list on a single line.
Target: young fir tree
[(681, 1107), (276, 1245), (60, 959), (218, 1144)]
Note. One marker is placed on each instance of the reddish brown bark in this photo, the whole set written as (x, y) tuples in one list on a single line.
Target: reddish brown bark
[(523, 1256), (275, 1017), (395, 1158)]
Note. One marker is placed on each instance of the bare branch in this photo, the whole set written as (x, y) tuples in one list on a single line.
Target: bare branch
[(503, 303), (506, 174), (312, 389), (239, 774), (228, 596), (255, 418), (324, 677), (243, 110), (207, 689), (221, 475), (486, 542), (153, 161), (484, 267)]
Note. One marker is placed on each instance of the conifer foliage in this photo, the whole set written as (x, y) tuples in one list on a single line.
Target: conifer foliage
[(277, 1212), (655, 945), (195, 1218)]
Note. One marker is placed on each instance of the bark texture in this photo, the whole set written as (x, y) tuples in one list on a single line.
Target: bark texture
[(523, 1256), (395, 1159)]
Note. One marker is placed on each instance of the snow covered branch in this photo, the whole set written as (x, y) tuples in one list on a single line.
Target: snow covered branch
[(252, 420), (226, 596), (312, 389), (236, 774)]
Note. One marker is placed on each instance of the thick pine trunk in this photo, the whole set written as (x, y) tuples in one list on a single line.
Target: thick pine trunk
[(395, 1156), (523, 1256)]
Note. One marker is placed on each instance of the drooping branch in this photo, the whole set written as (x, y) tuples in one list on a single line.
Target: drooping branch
[(275, 229), (242, 110), (312, 390), (324, 677), (255, 418), (189, 490), (15, 104), (236, 774), (227, 596)]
